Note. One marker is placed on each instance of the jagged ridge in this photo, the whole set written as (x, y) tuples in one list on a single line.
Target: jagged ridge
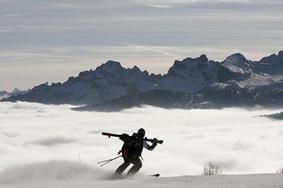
[(234, 78)]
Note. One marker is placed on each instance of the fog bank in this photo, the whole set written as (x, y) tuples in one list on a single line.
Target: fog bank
[(237, 140)]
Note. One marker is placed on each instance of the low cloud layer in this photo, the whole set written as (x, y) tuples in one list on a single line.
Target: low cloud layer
[(236, 140)]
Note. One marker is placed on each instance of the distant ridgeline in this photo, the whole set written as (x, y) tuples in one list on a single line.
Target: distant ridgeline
[(190, 83), (15, 92)]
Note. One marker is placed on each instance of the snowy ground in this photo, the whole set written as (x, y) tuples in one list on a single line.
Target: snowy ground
[(47, 144), (64, 174)]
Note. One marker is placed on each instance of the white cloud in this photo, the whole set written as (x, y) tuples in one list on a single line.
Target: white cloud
[(159, 6)]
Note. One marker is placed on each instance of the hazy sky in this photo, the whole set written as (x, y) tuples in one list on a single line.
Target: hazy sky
[(49, 40)]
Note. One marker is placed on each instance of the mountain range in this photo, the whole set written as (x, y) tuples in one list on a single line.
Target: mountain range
[(15, 92), (190, 83)]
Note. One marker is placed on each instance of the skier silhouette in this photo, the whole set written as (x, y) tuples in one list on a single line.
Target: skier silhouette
[(132, 150)]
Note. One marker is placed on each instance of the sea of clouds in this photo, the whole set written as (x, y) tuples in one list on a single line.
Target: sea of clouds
[(39, 140)]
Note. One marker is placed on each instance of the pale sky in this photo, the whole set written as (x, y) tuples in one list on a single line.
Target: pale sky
[(50, 40)]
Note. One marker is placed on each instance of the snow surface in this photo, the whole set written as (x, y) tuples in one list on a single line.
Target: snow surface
[(66, 174), (53, 146), (4, 96)]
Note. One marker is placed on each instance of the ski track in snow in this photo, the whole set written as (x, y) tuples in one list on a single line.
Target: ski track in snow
[(56, 147)]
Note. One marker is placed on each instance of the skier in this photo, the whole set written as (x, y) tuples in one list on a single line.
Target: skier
[(132, 150)]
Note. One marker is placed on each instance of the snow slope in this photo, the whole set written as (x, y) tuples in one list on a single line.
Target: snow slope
[(4, 94), (66, 174)]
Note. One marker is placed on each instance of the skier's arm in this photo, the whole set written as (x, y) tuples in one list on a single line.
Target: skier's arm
[(150, 147)]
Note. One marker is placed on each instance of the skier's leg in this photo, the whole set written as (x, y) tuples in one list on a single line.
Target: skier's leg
[(122, 167), (137, 166)]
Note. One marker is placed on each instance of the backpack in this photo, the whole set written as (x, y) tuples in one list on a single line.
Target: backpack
[(132, 147)]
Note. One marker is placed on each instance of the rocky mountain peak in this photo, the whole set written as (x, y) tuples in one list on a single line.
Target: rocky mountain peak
[(237, 63), (187, 66), (136, 69), (15, 90), (191, 75), (237, 58), (201, 59), (273, 59), (280, 55), (3, 92), (110, 67)]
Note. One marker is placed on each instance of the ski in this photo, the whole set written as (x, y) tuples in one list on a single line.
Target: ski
[(120, 176), (155, 175)]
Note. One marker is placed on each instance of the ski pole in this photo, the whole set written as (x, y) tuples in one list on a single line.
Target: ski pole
[(105, 163), (108, 161)]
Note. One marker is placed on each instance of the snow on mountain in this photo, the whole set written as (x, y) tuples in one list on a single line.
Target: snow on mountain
[(14, 92), (193, 74), (4, 94), (238, 63), (108, 81), (234, 77), (252, 73)]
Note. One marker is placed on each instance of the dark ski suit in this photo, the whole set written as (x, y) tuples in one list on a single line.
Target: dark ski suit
[(131, 151)]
